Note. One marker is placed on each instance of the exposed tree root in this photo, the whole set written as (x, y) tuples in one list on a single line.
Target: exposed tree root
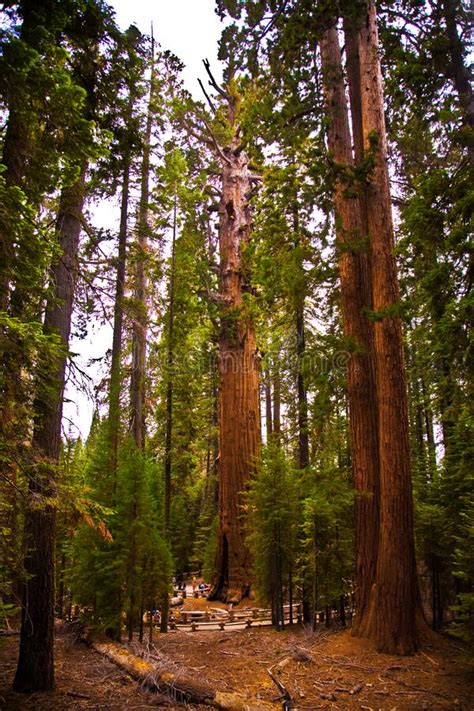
[(179, 686)]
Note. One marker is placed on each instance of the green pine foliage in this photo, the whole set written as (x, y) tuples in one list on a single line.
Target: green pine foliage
[(125, 565), (273, 510), (327, 540)]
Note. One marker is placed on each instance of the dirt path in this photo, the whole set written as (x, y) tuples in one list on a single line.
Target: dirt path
[(320, 671)]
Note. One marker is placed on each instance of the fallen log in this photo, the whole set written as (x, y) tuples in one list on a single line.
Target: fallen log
[(179, 686)]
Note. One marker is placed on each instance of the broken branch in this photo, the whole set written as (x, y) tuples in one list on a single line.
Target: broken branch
[(288, 702), (216, 145), (209, 100), (212, 81)]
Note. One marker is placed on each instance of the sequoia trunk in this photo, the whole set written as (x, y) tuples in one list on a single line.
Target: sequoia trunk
[(358, 330), (396, 585), (239, 435)]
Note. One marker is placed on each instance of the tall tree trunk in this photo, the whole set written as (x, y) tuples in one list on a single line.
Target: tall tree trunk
[(215, 439), (139, 330), (115, 383), (268, 406), (169, 388), (18, 148), (239, 435), (35, 669), (303, 436), (302, 398), (277, 402), (116, 362), (356, 301), (169, 406), (397, 598)]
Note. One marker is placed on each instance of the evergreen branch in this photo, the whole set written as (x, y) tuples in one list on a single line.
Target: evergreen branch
[(97, 290), (300, 114), (199, 137), (212, 190), (216, 145), (12, 484)]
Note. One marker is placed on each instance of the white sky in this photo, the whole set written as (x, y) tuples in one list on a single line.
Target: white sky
[(191, 30)]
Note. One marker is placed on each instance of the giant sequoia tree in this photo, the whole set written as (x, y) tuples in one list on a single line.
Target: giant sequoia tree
[(354, 270), (395, 594), (239, 418), (385, 473)]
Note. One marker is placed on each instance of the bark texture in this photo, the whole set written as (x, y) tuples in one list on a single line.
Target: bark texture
[(356, 301), (394, 627), (35, 669), (239, 435)]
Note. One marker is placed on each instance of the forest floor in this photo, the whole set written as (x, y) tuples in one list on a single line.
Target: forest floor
[(326, 669)]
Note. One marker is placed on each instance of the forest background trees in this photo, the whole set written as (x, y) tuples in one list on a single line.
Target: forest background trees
[(289, 289)]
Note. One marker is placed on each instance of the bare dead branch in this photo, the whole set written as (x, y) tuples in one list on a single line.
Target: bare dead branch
[(209, 100), (212, 81)]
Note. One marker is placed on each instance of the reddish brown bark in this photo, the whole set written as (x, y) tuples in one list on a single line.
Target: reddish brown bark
[(394, 627), (358, 330), (239, 435)]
